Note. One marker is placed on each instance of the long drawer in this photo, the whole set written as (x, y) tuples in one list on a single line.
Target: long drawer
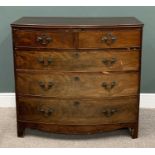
[(77, 112), (64, 84), (85, 60)]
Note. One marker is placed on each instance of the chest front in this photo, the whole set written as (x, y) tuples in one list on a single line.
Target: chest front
[(77, 79)]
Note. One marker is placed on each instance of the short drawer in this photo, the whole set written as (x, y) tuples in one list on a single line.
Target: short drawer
[(113, 60), (63, 84), (110, 38), (77, 112), (43, 39)]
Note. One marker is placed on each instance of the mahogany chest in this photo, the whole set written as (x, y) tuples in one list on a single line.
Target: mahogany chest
[(77, 75)]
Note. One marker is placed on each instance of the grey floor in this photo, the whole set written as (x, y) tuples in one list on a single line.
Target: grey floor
[(33, 138)]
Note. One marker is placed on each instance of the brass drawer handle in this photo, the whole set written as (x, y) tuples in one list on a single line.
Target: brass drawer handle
[(46, 85), (109, 62), (45, 61), (44, 40), (109, 86), (109, 112), (45, 111), (108, 39)]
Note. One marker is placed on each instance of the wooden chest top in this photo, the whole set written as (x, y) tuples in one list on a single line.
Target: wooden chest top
[(76, 22)]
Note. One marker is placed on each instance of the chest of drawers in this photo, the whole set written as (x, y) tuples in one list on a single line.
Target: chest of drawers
[(77, 75)]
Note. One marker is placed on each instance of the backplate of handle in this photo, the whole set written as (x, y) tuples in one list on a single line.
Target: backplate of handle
[(108, 39), (43, 39), (46, 85), (45, 111), (109, 112), (109, 61), (109, 86), (44, 61)]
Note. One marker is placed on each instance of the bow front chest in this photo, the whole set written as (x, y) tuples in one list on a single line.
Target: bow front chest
[(77, 75)]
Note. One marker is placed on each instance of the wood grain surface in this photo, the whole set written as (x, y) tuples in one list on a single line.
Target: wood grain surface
[(85, 60), (89, 85), (78, 112), (123, 38)]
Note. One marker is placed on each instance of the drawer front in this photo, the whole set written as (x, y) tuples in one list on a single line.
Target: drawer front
[(110, 39), (77, 84), (79, 61), (43, 39), (78, 112)]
